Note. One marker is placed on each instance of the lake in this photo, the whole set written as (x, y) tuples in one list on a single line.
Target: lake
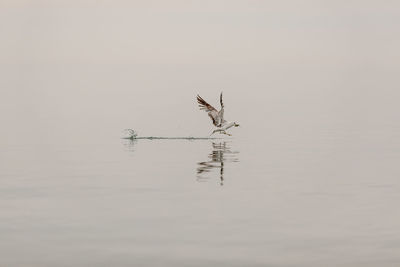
[(300, 200), (310, 178)]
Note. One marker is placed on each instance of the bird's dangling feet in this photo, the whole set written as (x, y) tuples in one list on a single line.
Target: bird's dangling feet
[(227, 133)]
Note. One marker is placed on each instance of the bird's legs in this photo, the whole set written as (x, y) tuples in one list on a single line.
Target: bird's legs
[(220, 131)]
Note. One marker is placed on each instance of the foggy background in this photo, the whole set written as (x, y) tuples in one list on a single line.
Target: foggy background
[(78, 67), (313, 84)]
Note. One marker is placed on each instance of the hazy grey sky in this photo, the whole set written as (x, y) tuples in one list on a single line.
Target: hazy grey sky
[(77, 66), (314, 176)]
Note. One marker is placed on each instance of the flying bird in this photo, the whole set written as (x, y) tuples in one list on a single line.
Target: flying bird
[(216, 116)]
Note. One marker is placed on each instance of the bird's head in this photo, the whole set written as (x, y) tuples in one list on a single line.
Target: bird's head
[(236, 124)]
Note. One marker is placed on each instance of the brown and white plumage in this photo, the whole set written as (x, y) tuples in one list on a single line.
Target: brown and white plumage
[(216, 116)]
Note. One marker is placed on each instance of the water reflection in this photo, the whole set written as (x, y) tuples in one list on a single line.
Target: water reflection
[(129, 144), (221, 153)]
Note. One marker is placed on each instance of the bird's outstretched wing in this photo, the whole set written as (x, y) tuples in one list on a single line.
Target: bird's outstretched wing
[(221, 112), (212, 112)]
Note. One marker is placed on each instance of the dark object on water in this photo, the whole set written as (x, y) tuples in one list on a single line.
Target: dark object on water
[(132, 135)]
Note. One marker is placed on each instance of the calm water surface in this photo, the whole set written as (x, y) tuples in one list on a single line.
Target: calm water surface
[(304, 199), (310, 179)]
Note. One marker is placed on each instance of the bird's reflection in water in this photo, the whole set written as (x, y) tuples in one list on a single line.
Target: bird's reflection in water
[(221, 153)]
